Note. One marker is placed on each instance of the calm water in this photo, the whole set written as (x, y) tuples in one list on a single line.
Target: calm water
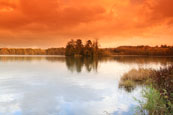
[(41, 85)]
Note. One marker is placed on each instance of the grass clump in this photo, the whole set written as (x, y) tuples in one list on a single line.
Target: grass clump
[(135, 77), (159, 96), (154, 104), (139, 75), (163, 82), (128, 85)]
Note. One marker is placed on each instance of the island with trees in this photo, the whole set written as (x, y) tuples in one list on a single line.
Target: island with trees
[(77, 48)]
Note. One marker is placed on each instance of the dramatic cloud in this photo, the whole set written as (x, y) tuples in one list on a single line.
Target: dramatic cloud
[(50, 23)]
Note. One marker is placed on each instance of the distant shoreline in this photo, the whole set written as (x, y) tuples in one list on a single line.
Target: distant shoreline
[(140, 56), (32, 56), (162, 51), (85, 57)]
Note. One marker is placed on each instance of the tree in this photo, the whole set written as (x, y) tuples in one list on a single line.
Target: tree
[(88, 51), (79, 47), (70, 48), (76, 48), (4, 51), (95, 48)]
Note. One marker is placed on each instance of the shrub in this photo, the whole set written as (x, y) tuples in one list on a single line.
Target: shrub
[(154, 103), (139, 75)]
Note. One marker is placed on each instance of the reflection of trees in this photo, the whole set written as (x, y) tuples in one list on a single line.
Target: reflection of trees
[(139, 60), (19, 58), (76, 64), (120, 59), (143, 59)]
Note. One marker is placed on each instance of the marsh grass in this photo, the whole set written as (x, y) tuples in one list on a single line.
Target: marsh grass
[(163, 82), (128, 85), (159, 94), (153, 104), (138, 75), (135, 77), (158, 91)]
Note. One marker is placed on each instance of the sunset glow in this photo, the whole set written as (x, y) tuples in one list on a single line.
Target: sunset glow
[(51, 23)]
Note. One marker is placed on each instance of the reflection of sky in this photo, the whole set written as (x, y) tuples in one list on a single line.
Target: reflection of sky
[(48, 88)]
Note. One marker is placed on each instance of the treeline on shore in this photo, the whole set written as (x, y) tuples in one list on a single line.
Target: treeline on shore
[(91, 49), (162, 50), (30, 51)]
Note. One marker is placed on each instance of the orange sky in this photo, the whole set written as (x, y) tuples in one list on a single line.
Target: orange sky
[(51, 23)]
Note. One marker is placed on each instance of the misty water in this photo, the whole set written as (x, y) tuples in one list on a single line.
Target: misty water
[(56, 85)]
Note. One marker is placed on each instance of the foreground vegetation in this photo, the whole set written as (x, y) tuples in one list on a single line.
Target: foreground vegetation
[(154, 104), (158, 93), (133, 78)]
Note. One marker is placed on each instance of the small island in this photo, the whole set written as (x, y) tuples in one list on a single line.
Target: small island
[(77, 48)]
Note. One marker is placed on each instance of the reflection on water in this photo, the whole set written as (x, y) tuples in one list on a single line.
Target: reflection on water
[(45, 85), (31, 58), (76, 64)]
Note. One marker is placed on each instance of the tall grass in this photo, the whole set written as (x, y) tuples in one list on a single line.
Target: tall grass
[(138, 75), (159, 95), (135, 77), (163, 81), (154, 103)]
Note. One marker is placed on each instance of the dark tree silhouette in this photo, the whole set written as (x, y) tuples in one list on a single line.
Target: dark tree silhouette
[(79, 48), (76, 48), (70, 48)]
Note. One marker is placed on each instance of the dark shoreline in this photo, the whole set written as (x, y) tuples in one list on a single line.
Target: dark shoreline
[(85, 57)]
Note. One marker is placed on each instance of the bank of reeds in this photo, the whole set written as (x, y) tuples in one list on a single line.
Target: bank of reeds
[(159, 94), (154, 103), (135, 77)]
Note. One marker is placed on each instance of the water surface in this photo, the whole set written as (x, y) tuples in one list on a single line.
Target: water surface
[(55, 85)]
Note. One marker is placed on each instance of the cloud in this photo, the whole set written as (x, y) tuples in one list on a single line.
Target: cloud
[(50, 14), (100, 18), (162, 10)]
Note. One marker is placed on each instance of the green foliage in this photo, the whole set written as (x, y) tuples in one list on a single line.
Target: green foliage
[(163, 81), (154, 103), (159, 96)]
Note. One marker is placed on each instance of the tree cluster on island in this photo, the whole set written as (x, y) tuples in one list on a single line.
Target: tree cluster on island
[(77, 48)]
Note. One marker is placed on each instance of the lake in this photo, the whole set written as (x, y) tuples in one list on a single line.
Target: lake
[(56, 85)]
